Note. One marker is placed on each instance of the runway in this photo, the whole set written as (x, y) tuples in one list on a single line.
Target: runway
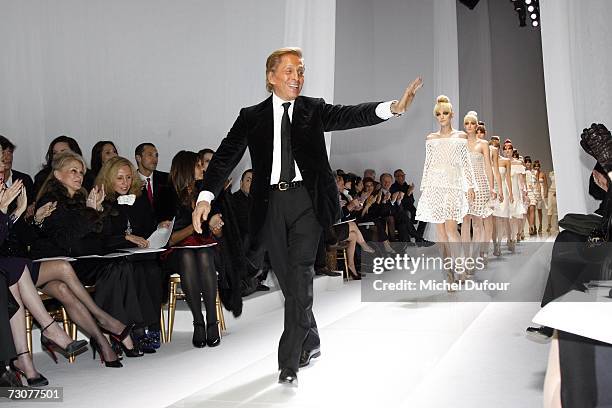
[(391, 354)]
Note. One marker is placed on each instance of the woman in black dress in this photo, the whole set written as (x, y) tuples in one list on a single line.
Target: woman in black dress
[(122, 185), (25, 294), (195, 265)]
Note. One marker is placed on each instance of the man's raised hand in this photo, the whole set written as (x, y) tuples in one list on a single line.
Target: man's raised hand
[(404, 103), (200, 213)]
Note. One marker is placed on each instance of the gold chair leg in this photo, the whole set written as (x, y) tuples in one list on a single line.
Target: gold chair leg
[(220, 316), (346, 269), (162, 324), (68, 329), (28, 321), (171, 309)]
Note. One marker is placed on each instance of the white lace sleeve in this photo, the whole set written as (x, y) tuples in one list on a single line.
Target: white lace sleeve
[(469, 179)]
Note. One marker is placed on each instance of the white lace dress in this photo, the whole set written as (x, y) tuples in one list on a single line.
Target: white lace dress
[(502, 209), (480, 207), (447, 176), (517, 208)]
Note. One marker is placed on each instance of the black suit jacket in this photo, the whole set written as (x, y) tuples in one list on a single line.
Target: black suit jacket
[(163, 198), (254, 128)]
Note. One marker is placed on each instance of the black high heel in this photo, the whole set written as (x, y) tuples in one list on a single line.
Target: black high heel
[(50, 346), (214, 340), (199, 335), (39, 381), (96, 347), (121, 349), (121, 336)]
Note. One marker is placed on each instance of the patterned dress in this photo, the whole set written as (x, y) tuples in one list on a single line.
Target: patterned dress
[(480, 207), (502, 209), (517, 208), (447, 176)]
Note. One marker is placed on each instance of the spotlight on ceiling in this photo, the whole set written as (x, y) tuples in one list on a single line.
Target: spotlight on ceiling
[(535, 23)]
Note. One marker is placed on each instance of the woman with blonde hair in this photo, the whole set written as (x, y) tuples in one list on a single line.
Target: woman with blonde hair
[(73, 229), (448, 181), (501, 213), (479, 208), (121, 218)]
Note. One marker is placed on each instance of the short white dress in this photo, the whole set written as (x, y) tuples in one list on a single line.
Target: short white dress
[(502, 209), (551, 205), (517, 208), (447, 176), (480, 207)]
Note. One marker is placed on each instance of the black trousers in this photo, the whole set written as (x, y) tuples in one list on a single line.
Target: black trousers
[(291, 236)]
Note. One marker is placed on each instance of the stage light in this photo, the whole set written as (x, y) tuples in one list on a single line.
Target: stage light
[(535, 23), (530, 9), (527, 2), (534, 16)]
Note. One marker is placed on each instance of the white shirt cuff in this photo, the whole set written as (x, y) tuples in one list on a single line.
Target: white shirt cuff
[(383, 110), (206, 196)]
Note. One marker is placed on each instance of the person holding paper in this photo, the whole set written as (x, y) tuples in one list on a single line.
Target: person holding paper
[(118, 178)]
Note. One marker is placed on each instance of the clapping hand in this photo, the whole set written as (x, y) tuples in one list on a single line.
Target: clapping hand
[(44, 211), (404, 103), (597, 142), (96, 197), (22, 203), (7, 195), (216, 225)]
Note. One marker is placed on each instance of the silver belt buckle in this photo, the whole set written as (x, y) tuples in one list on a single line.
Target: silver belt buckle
[(283, 185)]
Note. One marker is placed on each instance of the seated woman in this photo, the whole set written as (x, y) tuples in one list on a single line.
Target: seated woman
[(374, 210), (59, 145), (24, 293), (119, 180), (101, 152), (347, 229), (195, 265), (74, 229)]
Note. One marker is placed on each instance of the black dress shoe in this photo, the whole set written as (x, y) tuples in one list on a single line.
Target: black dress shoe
[(199, 335), (306, 356), (326, 272), (288, 376)]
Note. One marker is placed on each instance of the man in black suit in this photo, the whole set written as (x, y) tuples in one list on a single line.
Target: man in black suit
[(294, 191), (10, 175), (408, 206), (156, 184)]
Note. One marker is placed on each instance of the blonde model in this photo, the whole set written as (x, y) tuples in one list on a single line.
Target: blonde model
[(502, 211), (517, 209), (448, 181), (480, 208), (551, 205)]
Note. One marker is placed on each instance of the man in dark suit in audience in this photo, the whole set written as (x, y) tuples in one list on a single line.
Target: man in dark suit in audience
[(242, 200), (10, 175), (408, 206), (294, 192), (156, 184)]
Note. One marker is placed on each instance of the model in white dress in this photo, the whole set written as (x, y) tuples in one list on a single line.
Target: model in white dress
[(448, 182), (502, 211), (551, 204), (478, 243)]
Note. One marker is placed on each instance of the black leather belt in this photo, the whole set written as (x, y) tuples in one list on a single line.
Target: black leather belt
[(283, 185)]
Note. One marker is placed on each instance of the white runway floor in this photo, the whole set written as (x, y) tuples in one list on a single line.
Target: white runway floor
[(373, 355)]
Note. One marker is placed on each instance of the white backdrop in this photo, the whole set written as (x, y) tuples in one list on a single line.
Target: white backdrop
[(577, 60), (171, 72), (381, 45)]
